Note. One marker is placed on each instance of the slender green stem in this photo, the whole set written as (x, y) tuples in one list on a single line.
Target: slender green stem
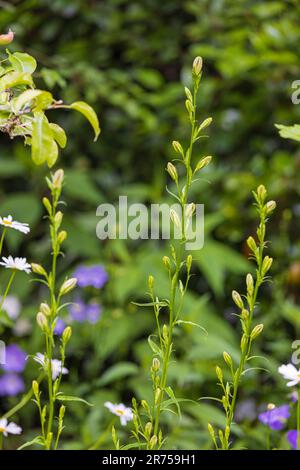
[(2, 240), (7, 289)]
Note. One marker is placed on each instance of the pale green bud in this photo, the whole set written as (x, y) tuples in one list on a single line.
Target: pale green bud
[(237, 299), (172, 171), (67, 333), (203, 163), (38, 269), (42, 321), (256, 331), (197, 65), (68, 285)]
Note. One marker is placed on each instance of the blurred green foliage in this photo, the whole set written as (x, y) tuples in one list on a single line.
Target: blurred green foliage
[(129, 60)]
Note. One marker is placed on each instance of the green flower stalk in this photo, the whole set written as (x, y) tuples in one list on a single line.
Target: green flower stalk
[(46, 320), (246, 305), (147, 428)]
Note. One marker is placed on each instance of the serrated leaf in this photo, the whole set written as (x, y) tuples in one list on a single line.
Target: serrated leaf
[(89, 113), (70, 398), (59, 134)]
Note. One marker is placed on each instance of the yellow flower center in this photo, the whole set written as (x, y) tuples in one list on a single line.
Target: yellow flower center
[(120, 412), (2, 429), (7, 222)]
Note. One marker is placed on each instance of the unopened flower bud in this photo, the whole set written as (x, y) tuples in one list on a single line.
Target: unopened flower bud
[(205, 124), (177, 147), (271, 406), (42, 321), (227, 358), (166, 261), (175, 218), (197, 65), (150, 282), (190, 209), (261, 192), (237, 299), (35, 388), (267, 263), (157, 395), (165, 332), (148, 428), (38, 269), (251, 243), (244, 343), (189, 261), (47, 204), (45, 309), (62, 236), (6, 39), (145, 405), (67, 333), (250, 283), (256, 331), (155, 364), (68, 285), (203, 163), (270, 206), (245, 314), (62, 411), (219, 373), (153, 442), (58, 219), (211, 430), (172, 171), (57, 179)]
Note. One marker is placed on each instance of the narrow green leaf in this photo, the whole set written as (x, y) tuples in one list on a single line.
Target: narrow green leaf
[(179, 322), (70, 398), (89, 113), (37, 440), (154, 346)]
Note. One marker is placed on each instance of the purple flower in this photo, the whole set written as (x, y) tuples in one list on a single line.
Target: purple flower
[(82, 312), (292, 438), (94, 276), (11, 385), (15, 359), (93, 312), (275, 417), (59, 326)]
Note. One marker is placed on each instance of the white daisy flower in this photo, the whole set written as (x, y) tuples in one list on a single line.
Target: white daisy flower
[(11, 306), (56, 365), (289, 372), (9, 222), (120, 410), (16, 263), (9, 428)]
